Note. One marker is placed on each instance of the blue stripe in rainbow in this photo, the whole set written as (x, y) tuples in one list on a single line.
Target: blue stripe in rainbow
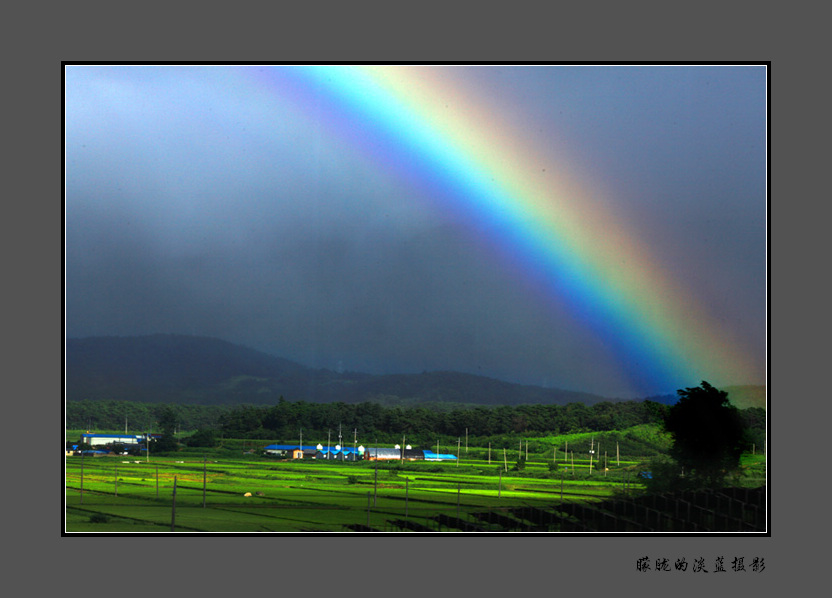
[(420, 125)]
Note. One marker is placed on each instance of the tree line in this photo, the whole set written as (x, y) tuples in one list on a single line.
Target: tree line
[(288, 420)]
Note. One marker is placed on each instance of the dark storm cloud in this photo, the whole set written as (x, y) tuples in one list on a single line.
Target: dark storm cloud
[(195, 206)]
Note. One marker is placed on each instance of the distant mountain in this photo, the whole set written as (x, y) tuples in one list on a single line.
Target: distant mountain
[(166, 368)]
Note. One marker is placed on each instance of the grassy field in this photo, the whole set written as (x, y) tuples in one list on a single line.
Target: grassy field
[(230, 489), (125, 494)]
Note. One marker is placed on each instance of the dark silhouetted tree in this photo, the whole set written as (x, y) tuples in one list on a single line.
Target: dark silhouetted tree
[(168, 420), (203, 438), (708, 434)]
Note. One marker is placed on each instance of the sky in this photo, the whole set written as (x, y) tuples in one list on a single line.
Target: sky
[(599, 228)]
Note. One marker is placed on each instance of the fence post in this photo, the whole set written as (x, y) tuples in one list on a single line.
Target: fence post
[(173, 507), (204, 479)]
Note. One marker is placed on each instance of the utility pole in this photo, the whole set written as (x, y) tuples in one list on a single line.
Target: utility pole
[(591, 452), (458, 453), (505, 459)]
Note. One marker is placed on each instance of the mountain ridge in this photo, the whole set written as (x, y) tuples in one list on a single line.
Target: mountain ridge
[(171, 368), (193, 369)]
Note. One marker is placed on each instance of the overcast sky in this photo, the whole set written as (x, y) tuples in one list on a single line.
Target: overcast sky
[(266, 206)]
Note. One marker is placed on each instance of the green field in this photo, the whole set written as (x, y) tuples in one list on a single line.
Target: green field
[(122, 494), (483, 492)]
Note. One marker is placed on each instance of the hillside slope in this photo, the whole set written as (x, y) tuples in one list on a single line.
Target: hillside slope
[(187, 369)]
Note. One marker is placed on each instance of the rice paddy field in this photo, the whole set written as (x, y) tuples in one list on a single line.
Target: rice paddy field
[(206, 494)]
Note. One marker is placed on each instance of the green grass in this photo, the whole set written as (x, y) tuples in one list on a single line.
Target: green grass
[(321, 496), (294, 496)]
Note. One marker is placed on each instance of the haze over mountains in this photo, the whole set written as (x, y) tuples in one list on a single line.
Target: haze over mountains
[(190, 369), (167, 368)]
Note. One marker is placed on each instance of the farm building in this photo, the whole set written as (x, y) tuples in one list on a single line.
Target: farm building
[(390, 454), (340, 454), (104, 439), (291, 451), (431, 456), (382, 454)]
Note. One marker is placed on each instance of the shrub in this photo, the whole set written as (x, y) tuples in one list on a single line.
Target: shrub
[(665, 475), (203, 438)]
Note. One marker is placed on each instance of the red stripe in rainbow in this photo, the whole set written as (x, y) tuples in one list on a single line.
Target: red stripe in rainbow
[(419, 123)]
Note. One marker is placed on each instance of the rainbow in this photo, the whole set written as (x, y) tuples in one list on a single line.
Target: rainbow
[(551, 226)]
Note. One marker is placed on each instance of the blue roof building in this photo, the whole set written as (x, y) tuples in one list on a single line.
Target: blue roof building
[(340, 454), (431, 456), (290, 447)]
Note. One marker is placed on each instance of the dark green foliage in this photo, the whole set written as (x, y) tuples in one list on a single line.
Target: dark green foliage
[(708, 434), (165, 444), (424, 427), (141, 417), (666, 475), (99, 518), (168, 421), (203, 438)]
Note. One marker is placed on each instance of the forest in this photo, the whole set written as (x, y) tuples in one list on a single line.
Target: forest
[(286, 420)]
